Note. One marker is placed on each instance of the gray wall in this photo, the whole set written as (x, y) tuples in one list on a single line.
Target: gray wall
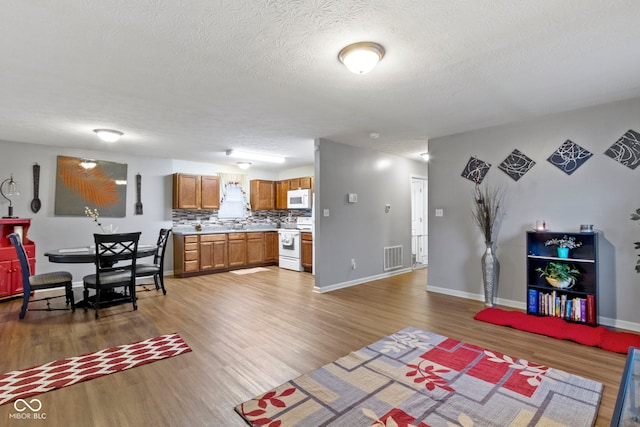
[(360, 230), (602, 192), (49, 231)]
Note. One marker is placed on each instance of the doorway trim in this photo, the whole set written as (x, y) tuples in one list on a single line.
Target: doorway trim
[(419, 238)]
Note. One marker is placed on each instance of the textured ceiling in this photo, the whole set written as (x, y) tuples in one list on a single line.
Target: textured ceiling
[(189, 79)]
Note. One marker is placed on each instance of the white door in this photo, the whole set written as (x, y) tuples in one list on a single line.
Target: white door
[(419, 224)]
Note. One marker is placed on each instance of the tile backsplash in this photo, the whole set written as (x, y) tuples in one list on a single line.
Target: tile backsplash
[(210, 217)]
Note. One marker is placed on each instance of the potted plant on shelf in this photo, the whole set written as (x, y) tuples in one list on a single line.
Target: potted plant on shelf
[(564, 244), (559, 275)]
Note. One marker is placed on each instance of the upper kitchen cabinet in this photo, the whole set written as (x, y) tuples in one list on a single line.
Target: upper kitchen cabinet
[(262, 194), (304, 183), (210, 186), (196, 192), (281, 194)]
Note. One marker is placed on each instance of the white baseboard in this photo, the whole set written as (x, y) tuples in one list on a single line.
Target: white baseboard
[(359, 281), (606, 321)]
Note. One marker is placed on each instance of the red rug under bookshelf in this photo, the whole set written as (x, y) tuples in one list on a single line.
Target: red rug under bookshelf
[(599, 336)]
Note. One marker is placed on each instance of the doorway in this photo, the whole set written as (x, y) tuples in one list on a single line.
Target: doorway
[(419, 225)]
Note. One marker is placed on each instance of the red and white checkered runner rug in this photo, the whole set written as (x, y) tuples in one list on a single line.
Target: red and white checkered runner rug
[(61, 373)]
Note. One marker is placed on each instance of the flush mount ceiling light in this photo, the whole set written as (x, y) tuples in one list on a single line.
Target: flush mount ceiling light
[(425, 156), (255, 156), (108, 135), (244, 165), (361, 57)]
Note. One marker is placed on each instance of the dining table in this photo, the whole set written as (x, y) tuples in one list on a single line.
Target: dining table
[(87, 255)]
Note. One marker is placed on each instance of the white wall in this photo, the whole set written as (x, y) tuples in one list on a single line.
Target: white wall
[(360, 230), (601, 192)]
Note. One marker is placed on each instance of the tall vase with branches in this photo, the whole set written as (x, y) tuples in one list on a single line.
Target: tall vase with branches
[(488, 209)]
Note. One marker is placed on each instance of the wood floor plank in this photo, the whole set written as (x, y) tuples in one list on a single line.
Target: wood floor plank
[(250, 333)]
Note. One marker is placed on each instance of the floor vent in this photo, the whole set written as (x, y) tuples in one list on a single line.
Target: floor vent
[(392, 257)]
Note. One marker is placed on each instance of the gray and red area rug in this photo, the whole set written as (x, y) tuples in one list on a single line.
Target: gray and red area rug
[(419, 378)]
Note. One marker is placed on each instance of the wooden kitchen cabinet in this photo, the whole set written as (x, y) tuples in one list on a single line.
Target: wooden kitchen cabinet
[(255, 248), (304, 183), (281, 194), (186, 191), (185, 254), (210, 192), (262, 194), (271, 246), (196, 191), (213, 251), (237, 249), (195, 254), (306, 248)]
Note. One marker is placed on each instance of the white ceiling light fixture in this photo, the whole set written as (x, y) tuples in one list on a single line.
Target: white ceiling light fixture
[(88, 164), (255, 156), (108, 135), (361, 57), (244, 165), (425, 156)]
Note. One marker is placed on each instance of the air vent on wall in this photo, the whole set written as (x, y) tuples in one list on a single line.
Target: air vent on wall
[(392, 257)]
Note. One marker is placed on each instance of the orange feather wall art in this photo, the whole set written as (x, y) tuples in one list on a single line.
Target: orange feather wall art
[(94, 183)]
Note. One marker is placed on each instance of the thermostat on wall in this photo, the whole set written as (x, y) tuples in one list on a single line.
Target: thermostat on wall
[(353, 197)]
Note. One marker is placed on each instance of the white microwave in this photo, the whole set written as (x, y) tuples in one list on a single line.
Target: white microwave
[(299, 199)]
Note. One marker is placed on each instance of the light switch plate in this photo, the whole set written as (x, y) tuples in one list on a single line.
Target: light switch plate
[(325, 212), (353, 198), (439, 212)]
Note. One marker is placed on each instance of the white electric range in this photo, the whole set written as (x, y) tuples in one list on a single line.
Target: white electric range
[(289, 244)]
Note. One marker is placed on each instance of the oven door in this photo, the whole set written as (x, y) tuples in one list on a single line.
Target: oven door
[(289, 243)]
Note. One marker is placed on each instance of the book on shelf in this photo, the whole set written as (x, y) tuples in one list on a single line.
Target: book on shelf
[(551, 304), (533, 301), (591, 309)]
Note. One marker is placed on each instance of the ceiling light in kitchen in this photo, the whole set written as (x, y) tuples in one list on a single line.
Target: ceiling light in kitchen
[(255, 156), (244, 165), (360, 58), (108, 135)]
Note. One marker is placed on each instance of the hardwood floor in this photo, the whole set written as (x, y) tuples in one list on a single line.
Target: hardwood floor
[(250, 333)]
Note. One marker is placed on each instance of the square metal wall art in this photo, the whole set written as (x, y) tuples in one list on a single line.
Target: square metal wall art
[(516, 164), (626, 150), (569, 157), (475, 170)]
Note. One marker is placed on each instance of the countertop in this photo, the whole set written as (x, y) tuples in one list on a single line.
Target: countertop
[(205, 230)]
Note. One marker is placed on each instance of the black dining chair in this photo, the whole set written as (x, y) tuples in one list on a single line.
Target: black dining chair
[(110, 249), (37, 282), (156, 270)]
